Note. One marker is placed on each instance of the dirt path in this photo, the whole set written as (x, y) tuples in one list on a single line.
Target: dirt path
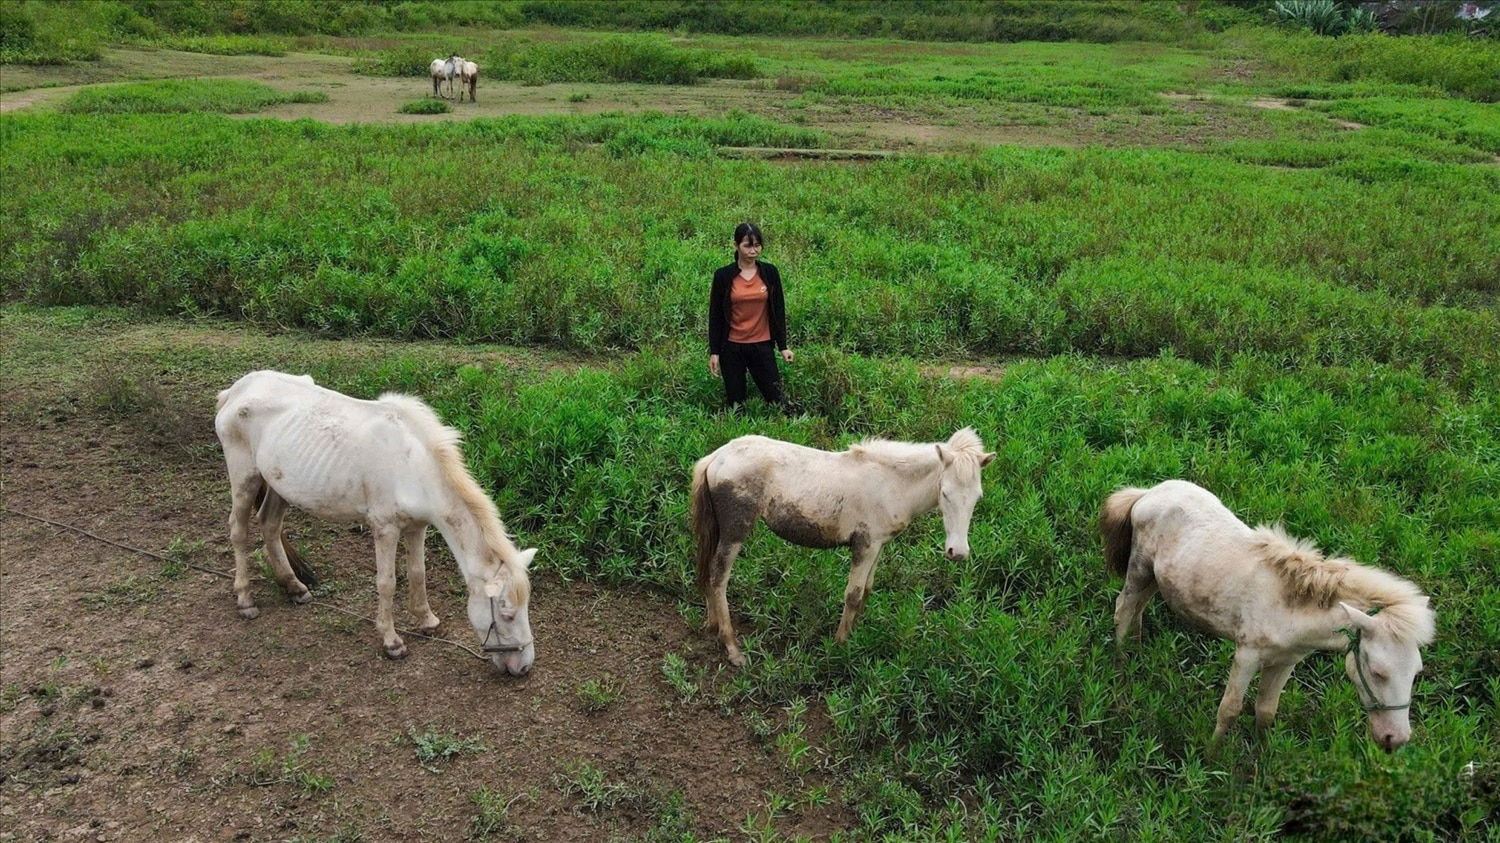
[(136, 705)]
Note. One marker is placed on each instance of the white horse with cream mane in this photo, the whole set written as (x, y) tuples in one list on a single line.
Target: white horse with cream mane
[(860, 498), (1277, 598), (445, 70), (390, 463)]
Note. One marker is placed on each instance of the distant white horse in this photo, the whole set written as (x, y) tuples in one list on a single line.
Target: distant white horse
[(468, 77), (1275, 597), (443, 70), (861, 497), (390, 463)]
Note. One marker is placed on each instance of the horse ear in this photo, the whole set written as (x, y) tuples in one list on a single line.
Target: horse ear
[(1358, 619), (986, 459), (523, 559), (944, 455)]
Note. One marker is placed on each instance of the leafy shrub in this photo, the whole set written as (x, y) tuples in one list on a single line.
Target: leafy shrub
[(177, 96), (403, 61), (426, 105), (615, 59), (1324, 17)]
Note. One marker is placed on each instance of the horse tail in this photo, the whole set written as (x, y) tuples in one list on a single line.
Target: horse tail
[(705, 523), (268, 497), (1115, 525)]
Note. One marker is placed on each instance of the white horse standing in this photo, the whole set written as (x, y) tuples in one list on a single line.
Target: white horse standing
[(468, 77), (1275, 597), (861, 497), (443, 70), (391, 463)]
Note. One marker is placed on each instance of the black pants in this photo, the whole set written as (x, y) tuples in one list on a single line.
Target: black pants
[(757, 358)]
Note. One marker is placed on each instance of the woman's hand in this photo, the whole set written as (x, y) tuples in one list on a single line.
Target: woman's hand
[(786, 354), (713, 364)]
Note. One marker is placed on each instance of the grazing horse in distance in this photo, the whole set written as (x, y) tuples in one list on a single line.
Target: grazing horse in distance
[(1277, 598), (392, 464), (468, 77), (861, 497), (443, 70)]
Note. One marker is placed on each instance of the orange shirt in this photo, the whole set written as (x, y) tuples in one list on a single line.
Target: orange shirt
[(749, 315)]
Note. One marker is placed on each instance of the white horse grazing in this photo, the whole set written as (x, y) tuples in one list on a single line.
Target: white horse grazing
[(468, 77), (860, 497), (390, 463), (443, 70), (1274, 596)]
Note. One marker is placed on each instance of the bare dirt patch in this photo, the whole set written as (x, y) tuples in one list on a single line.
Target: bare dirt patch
[(136, 705)]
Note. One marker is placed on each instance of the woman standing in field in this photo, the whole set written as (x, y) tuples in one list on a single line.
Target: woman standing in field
[(747, 322)]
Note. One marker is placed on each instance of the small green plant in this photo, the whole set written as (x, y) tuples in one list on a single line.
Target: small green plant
[(434, 746), (594, 789), (597, 694), (578, 96), (427, 105), (675, 669), (268, 769), (179, 552), (494, 814)]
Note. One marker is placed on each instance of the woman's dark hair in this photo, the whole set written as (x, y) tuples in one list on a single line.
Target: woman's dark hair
[(747, 229)]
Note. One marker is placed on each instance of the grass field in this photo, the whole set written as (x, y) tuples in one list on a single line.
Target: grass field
[(1297, 314)]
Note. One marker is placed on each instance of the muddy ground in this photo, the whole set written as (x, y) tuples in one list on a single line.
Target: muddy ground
[(136, 705)]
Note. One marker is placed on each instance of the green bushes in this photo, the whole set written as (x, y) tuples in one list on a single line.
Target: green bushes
[(1457, 66), (1012, 251), (610, 59), (181, 96), (426, 105)]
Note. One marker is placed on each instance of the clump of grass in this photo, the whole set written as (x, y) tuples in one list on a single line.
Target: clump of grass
[(434, 746), (598, 694), (494, 814), (427, 105), (182, 96), (266, 768)]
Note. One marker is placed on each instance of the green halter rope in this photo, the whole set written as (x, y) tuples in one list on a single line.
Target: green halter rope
[(1359, 669)]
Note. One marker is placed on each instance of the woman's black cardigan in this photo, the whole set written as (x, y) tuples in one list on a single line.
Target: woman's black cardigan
[(718, 305)]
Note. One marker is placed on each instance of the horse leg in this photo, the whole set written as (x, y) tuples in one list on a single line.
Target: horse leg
[(415, 539), (386, 537), (1246, 663), (1272, 679), (719, 622), (1140, 586), (861, 579), (243, 495), (272, 513)]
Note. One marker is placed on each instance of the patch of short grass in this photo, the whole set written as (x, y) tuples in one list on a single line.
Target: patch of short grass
[(183, 96), (426, 106)]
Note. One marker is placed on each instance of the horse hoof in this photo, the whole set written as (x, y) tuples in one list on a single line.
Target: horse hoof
[(302, 599), (249, 613), (737, 659), (396, 653)]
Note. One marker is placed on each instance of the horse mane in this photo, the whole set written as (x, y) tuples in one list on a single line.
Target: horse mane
[(445, 443), (964, 443), (1310, 578)]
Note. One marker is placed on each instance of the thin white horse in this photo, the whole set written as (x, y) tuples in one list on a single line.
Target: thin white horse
[(468, 77), (861, 497), (390, 463), (443, 70), (1277, 598)]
